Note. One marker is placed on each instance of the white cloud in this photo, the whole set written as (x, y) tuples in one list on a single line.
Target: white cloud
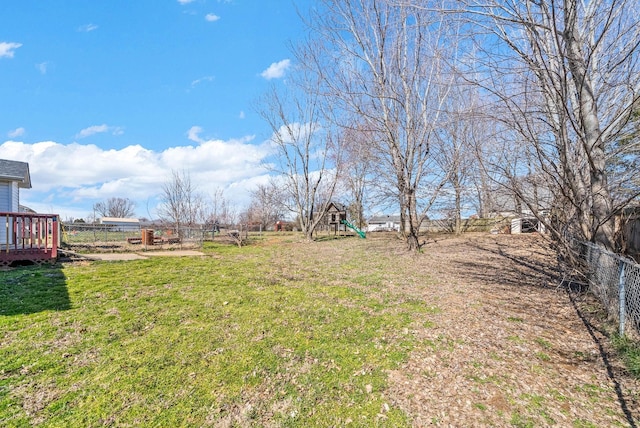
[(99, 129), (295, 131), (201, 80), (185, 1), (211, 17), (241, 115), (7, 49), (276, 70), (68, 179), (87, 28), (193, 134), (43, 67), (18, 132)]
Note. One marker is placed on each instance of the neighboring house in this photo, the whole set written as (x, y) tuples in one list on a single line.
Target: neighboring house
[(505, 202), (121, 224), (14, 176), (25, 209), (384, 223)]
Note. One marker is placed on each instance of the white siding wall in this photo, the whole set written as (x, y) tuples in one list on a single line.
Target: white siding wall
[(15, 197), (8, 202), (5, 196)]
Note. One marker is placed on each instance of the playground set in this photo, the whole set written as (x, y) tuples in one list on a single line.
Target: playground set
[(336, 215)]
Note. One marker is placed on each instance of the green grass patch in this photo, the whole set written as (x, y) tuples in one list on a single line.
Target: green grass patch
[(543, 343), (480, 406), (581, 423), (516, 339), (520, 421), (630, 352), (242, 337), (542, 356)]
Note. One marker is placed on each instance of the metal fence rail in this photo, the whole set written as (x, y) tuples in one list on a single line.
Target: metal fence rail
[(615, 280)]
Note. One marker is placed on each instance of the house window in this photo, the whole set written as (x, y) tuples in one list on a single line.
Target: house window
[(333, 218)]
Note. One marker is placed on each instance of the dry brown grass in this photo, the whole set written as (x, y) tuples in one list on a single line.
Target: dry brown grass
[(510, 346)]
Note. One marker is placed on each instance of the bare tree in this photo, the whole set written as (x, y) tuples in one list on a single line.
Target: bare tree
[(566, 77), (384, 63), (115, 207), (220, 210), (302, 142), (265, 206), (357, 165), (181, 204), (460, 137)]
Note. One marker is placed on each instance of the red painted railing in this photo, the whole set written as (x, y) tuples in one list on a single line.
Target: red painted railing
[(28, 237)]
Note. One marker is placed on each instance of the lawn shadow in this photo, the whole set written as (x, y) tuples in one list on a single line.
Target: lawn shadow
[(32, 289), (513, 270), (323, 238), (592, 328), (518, 270)]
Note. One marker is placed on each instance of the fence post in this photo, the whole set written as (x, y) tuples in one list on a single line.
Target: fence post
[(621, 297)]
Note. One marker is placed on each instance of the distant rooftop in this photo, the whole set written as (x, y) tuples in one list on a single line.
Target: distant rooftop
[(104, 220)]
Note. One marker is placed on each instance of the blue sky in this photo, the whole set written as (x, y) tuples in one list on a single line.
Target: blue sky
[(104, 98)]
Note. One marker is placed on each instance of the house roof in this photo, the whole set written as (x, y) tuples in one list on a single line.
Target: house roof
[(25, 209), (15, 171), (119, 220), (384, 219)]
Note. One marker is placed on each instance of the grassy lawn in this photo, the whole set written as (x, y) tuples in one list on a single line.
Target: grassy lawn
[(287, 334)]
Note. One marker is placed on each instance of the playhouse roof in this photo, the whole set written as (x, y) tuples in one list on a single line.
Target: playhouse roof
[(15, 171), (337, 206)]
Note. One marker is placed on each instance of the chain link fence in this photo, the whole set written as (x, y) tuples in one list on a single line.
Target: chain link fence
[(615, 280), (105, 237)]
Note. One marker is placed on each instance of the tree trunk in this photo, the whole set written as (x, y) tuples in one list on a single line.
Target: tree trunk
[(601, 228), (458, 205)]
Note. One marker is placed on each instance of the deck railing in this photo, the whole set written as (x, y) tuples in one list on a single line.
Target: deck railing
[(28, 237)]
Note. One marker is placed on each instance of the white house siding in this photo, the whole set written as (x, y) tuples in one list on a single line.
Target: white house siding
[(15, 197), (7, 190), (5, 196)]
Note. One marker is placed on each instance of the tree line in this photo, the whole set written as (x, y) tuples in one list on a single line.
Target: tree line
[(439, 107), (436, 105)]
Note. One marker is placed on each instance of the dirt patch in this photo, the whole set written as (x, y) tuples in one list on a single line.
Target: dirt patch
[(509, 347), (142, 256), (175, 253), (111, 257)]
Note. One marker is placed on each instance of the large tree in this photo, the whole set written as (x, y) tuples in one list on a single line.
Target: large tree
[(265, 206), (461, 137), (565, 75), (384, 63), (115, 207), (306, 158), (357, 166)]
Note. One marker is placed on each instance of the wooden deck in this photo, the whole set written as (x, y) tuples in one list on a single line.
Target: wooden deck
[(28, 237)]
